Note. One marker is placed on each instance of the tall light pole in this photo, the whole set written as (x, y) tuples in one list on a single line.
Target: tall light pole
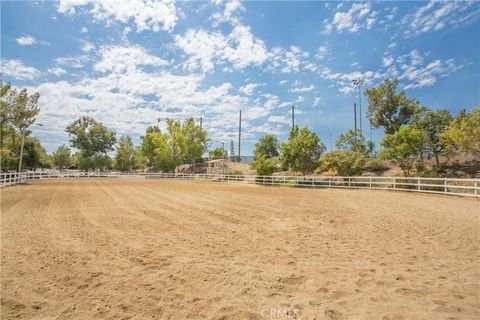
[(232, 148), (239, 135), (358, 83), (293, 117)]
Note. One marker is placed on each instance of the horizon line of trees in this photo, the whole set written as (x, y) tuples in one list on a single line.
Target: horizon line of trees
[(413, 133)]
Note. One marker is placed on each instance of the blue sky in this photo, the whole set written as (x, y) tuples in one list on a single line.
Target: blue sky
[(127, 63)]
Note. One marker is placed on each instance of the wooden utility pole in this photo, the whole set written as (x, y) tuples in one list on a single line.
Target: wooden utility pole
[(201, 122), (355, 118), (239, 135), (293, 117)]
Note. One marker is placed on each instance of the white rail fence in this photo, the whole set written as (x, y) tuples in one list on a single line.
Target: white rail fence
[(450, 186)]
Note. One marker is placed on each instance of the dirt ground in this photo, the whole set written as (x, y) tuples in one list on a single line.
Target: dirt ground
[(143, 249)]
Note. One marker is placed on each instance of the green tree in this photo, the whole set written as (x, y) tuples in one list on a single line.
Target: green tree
[(166, 153), (267, 147), (126, 156), (94, 141), (216, 153), (354, 142), (35, 156), (11, 148), (180, 144), (90, 136), (263, 166), (302, 151), (62, 157), (147, 146), (195, 140), (343, 163), (463, 133), (21, 111), (8, 95), (432, 124), (404, 148), (389, 109)]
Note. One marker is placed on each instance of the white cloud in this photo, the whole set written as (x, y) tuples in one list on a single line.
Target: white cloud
[(418, 75), (76, 62), (287, 61), (322, 52), (240, 48), (437, 15), (249, 88), (392, 45), (87, 46), (120, 59), (231, 7), (57, 71), (346, 89), (29, 41), (360, 15), (303, 89), (128, 97), (244, 48), (147, 15), (279, 119), (84, 30), (316, 102), (26, 41), (387, 61), (17, 70), (202, 47)]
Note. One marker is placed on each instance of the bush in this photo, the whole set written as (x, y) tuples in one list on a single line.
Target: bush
[(236, 173), (344, 163), (263, 166), (376, 164)]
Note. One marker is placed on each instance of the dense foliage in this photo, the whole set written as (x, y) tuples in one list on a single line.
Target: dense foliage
[(302, 151), (403, 148), (182, 143), (18, 111), (389, 109), (267, 147), (343, 162), (62, 157), (463, 135)]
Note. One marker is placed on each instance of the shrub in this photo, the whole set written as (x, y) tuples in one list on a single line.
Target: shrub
[(376, 164), (263, 166), (344, 163), (236, 173)]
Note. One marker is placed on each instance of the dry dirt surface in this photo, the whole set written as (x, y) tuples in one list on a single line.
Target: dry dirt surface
[(152, 249)]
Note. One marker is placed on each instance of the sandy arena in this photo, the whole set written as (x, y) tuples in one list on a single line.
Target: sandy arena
[(150, 249)]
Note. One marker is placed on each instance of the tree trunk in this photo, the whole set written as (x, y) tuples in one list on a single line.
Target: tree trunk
[(21, 152), (437, 160)]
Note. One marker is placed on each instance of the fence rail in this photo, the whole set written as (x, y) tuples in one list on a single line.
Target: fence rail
[(450, 186)]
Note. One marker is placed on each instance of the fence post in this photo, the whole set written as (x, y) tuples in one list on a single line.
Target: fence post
[(349, 181), (418, 184), (330, 182), (476, 188), (394, 183), (370, 182), (445, 185)]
